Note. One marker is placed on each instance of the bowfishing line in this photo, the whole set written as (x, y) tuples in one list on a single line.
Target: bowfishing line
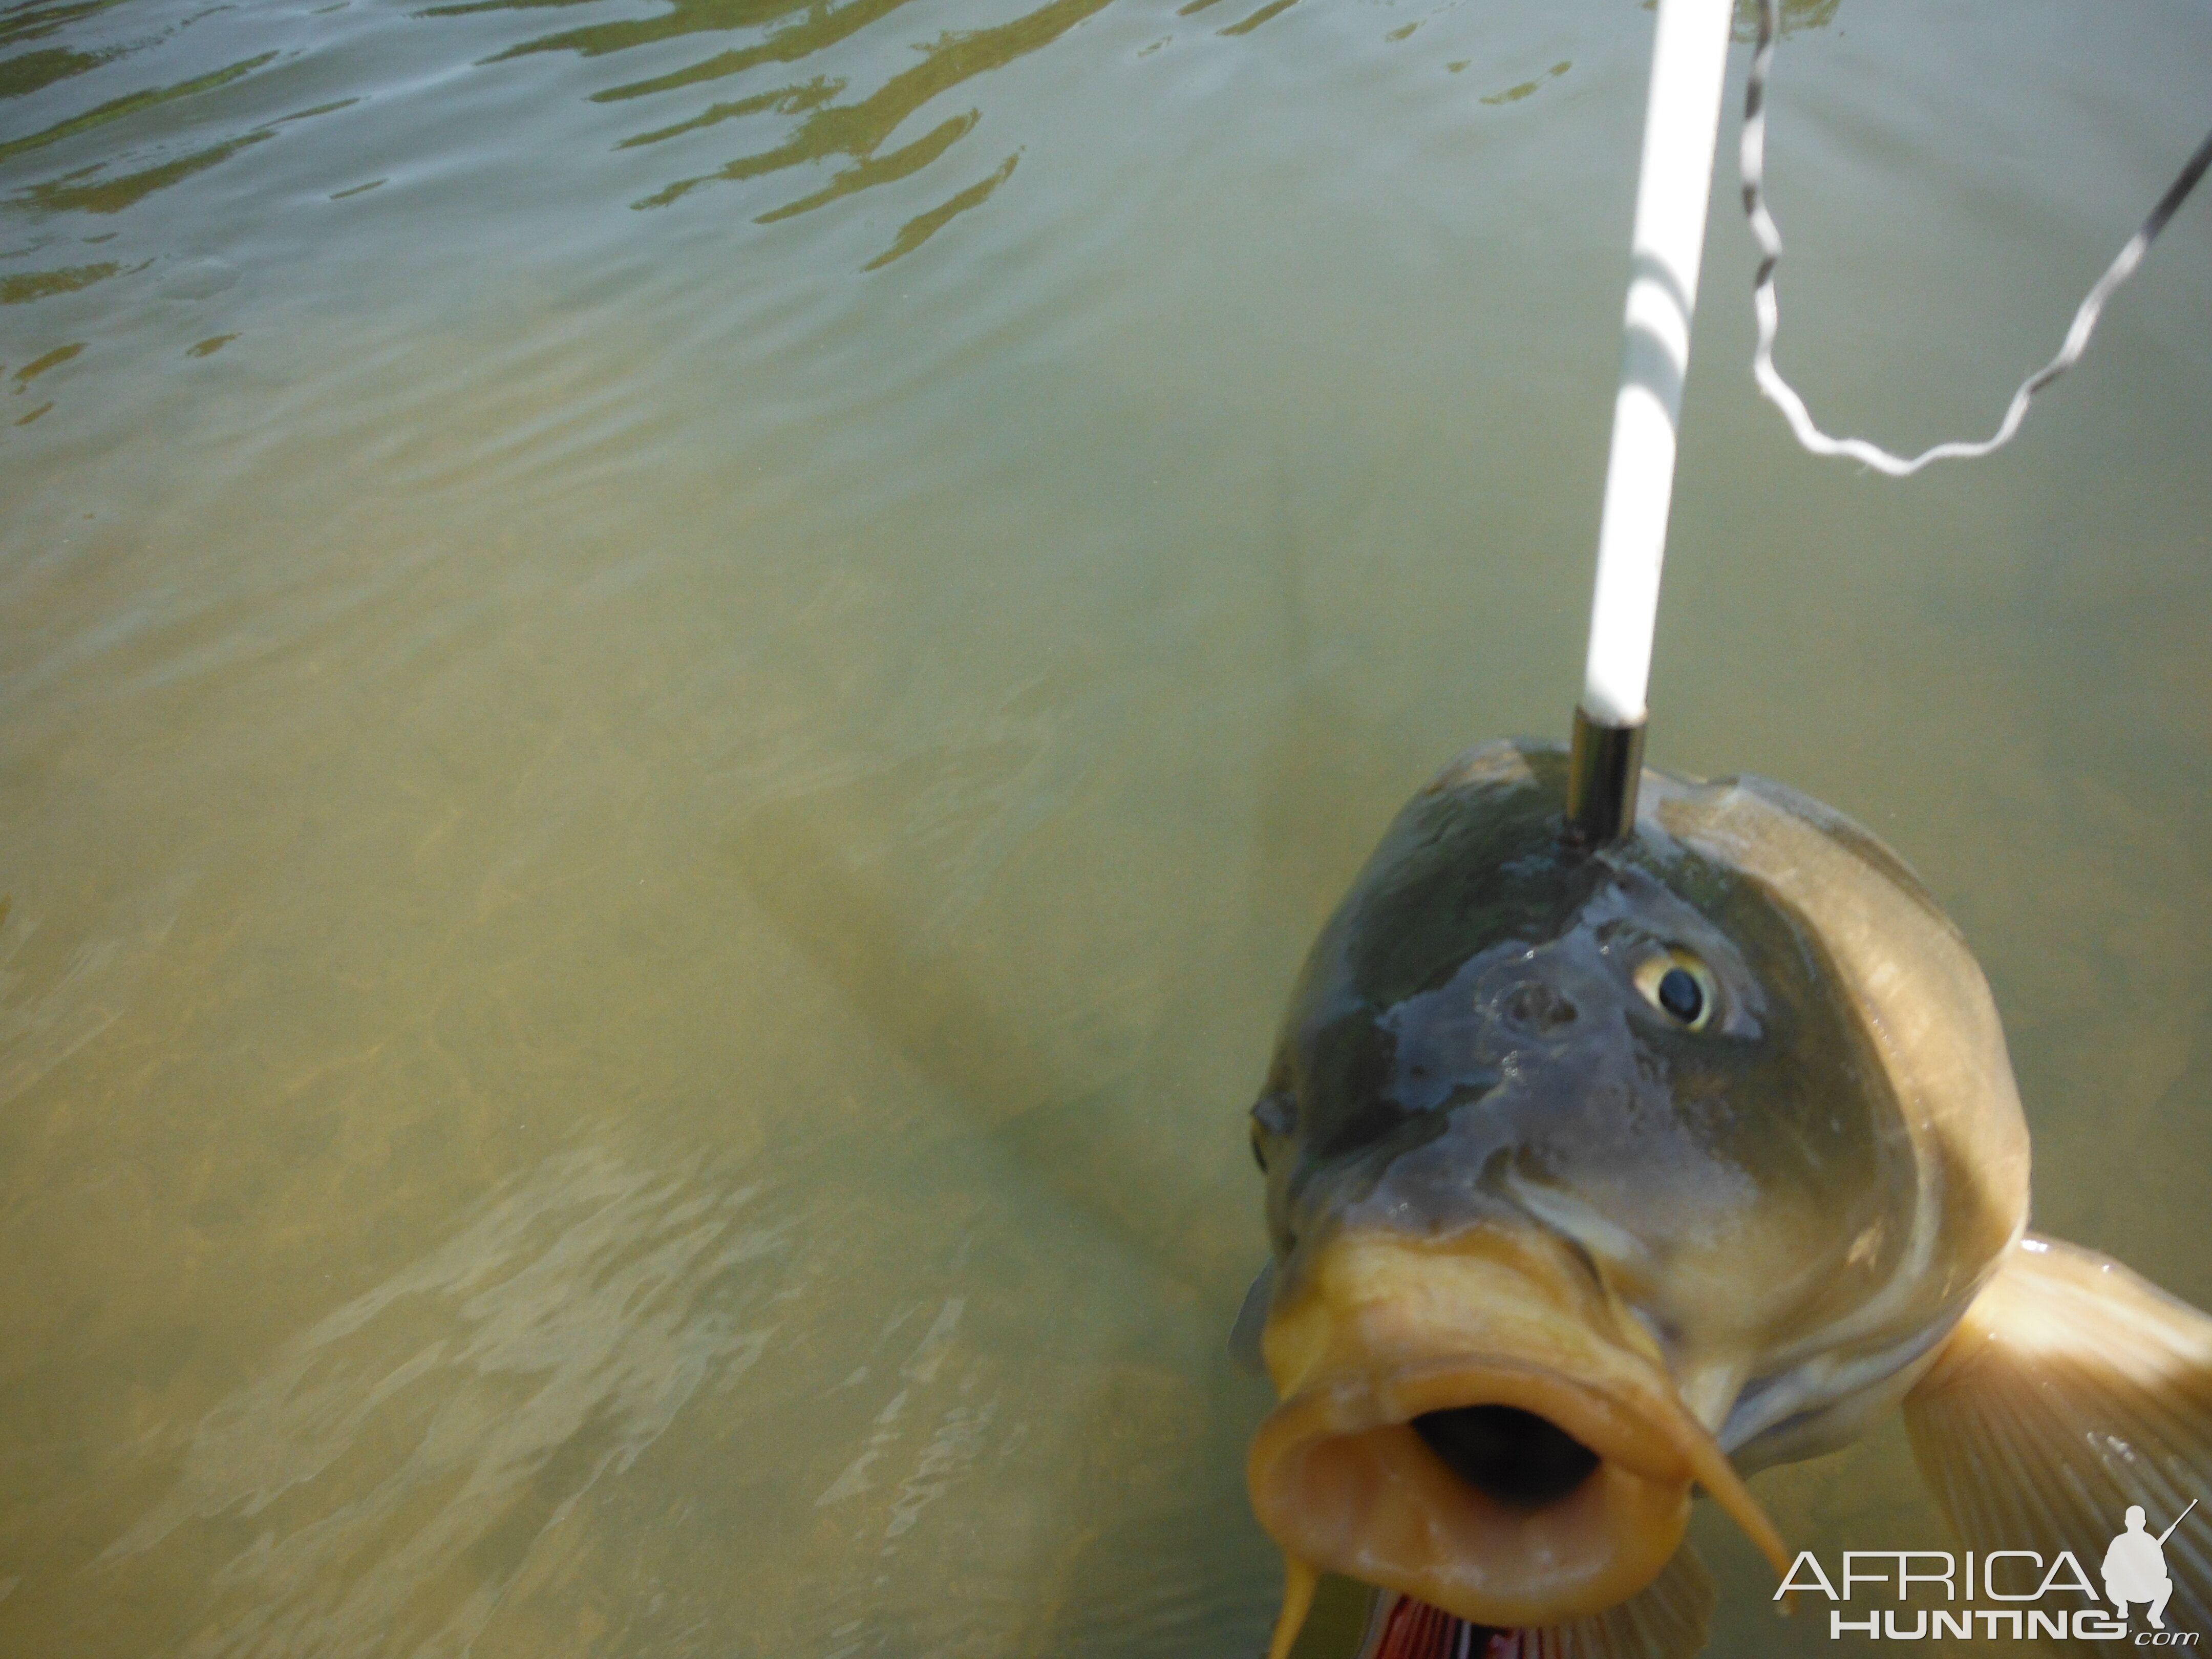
[(1766, 307)]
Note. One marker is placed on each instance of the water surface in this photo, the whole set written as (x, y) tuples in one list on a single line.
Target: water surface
[(679, 682)]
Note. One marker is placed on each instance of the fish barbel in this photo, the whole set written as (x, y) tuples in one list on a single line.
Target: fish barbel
[(1595, 1176)]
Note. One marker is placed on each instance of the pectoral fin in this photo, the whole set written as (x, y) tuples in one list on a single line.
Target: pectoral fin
[(1667, 1619), (2071, 1390)]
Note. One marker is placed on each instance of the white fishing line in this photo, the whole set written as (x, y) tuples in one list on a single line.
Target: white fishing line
[(1766, 307)]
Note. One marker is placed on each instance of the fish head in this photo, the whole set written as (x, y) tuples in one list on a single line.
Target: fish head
[(1587, 1168)]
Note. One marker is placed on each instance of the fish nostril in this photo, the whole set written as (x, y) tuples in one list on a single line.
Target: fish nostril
[(1538, 1008), (1505, 1453)]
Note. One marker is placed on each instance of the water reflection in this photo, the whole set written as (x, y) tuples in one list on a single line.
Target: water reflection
[(54, 1001), (113, 194), (91, 188), (380, 1484), (24, 377), (1797, 15), (825, 124), (34, 70), (34, 21), (116, 109), (820, 25), (856, 130), (26, 286), (433, 1466)]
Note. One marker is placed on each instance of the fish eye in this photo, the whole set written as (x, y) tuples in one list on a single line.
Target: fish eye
[(1680, 986), (1680, 995)]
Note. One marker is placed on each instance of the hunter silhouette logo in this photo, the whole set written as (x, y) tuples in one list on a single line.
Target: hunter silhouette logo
[(1906, 1596), (2135, 1566)]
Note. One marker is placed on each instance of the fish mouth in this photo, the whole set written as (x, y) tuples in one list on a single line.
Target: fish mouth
[(1473, 1422)]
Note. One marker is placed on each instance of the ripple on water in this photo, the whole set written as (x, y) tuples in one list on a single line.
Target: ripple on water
[(481, 1393)]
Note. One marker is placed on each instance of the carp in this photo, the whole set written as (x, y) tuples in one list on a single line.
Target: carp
[(1597, 1176)]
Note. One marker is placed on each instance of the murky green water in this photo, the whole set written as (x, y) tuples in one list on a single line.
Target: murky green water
[(677, 684)]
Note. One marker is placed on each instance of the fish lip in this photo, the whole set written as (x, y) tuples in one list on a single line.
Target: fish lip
[(1339, 1478), (1380, 1328), (1354, 1402)]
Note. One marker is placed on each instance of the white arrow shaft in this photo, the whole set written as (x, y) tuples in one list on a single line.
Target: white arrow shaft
[(1689, 61)]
